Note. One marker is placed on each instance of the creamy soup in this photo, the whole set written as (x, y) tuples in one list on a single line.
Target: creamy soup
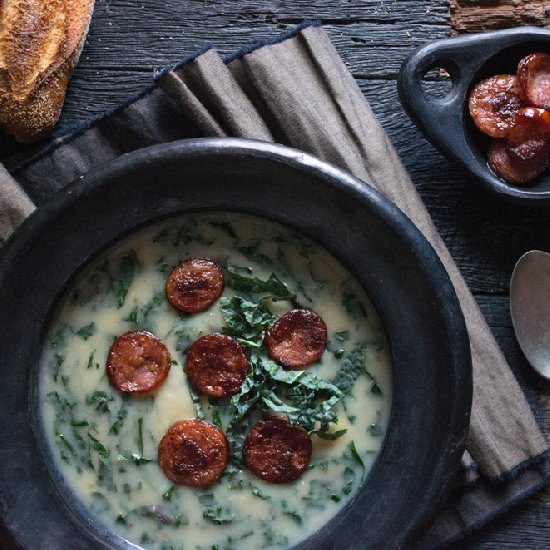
[(105, 443)]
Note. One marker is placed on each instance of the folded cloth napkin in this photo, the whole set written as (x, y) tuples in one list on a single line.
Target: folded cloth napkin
[(296, 90)]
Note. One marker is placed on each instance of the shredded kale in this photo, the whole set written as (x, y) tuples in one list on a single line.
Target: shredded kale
[(331, 436), (98, 283), (303, 397), (236, 433), (212, 512), (199, 411), (217, 419), (184, 234), (63, 439), (183, 339), (86, 331), (99, 447), (349, 478), (273, 285), (124, 277), (161, 514), (162, 235), (100, 400), (136, 458), (245, 320), (357, 458), (226, 228), (169, 493), (353, 366), (99, 502), (293, 514), (140, 435), (342, 336), (257, 493), (117, 424), (58, 360), (318, 494), (375, 430), (162, 266), (91, 361), (63, 407), (79, 423), (352, 305), (375, 389), (58, 338), (139, 317), (105, 475), (252, 253)]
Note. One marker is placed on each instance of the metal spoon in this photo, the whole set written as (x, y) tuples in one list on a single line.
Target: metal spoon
[(530, 308)]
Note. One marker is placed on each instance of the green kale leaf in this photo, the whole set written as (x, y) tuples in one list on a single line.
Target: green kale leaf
[(273, 285), (124, 277), (245, 320)]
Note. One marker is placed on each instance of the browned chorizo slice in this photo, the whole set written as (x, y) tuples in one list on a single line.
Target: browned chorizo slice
[(193, 453), (530, 123), (529, 150), (276, 451), (534, 76), (530, 135), (194, 285), (512, 169), (297, 339), (137, 362), (494, 103), (216, 365)]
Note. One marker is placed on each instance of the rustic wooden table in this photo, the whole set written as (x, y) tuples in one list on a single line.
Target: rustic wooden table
[(129, 39)]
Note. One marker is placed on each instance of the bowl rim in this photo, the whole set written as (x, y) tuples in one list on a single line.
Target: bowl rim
[(463, 56), (430, 264)]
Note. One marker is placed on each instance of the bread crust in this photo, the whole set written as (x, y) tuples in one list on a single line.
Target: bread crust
[(40, 43)]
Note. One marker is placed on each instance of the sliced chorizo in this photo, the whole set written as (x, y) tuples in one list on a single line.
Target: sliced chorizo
[(193, 453), (529, 150), (276, 451), (530, 135), (194, 285), (297, 339), (494, 103), (530, 123), (534, 76), (512, 169), (216, 365), (137, 362)]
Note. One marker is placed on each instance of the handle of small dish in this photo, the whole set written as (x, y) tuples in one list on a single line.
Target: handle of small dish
[(440, 118)]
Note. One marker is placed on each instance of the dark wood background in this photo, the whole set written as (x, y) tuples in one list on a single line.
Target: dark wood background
[(129, 39)]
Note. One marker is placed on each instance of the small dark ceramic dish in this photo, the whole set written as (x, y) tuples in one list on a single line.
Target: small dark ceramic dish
[(447, 122), (432, 384)]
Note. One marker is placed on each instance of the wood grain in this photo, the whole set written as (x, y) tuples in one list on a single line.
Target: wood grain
[(129, 39), (469, 16)]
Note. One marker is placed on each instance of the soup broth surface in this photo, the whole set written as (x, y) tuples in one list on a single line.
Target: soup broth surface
[(105, 443)]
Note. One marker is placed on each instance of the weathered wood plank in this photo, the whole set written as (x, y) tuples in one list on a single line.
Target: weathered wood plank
[(364, 45), (469, 16), (251, 12), (525, 527)]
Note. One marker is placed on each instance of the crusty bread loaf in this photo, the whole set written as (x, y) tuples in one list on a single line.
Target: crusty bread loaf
[(40, 43)]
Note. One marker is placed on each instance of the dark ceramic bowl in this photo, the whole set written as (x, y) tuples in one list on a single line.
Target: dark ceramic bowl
[(429, 345), (446, 121)]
